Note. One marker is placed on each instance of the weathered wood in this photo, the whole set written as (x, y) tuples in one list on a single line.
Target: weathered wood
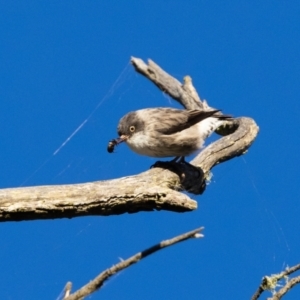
[(144, 192)]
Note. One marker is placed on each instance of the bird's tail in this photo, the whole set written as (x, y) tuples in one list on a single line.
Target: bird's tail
[(217, 114), (210, 124)]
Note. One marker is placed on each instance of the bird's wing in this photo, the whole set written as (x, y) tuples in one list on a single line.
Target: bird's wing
[(177, 120)]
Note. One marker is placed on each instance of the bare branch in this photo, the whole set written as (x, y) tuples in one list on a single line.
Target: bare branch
[(289, 285), (147, 191), (271, 282), (230, 146), (67, 289), (168, 84), (257, 293), (96, 283)]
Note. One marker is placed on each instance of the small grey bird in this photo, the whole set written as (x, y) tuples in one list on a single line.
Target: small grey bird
[(166, 132)]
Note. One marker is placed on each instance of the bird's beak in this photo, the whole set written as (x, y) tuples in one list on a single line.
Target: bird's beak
[(123, 138), (115, 142)]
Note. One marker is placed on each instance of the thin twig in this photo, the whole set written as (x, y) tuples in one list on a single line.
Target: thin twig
[(257, 293), (289, 285), (271, 282), (96, 283), (67, 289), (291, 270)]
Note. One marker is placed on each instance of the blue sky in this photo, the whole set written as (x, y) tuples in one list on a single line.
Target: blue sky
[(65, 63)]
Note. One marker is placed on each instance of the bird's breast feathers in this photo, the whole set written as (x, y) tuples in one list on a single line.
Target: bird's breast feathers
[(141, 143), (156, 144)]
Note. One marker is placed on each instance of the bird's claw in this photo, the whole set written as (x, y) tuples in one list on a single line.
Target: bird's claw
[(190, 175), (172, 165)]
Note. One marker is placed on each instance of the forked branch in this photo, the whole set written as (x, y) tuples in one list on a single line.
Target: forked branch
[(271, 283)]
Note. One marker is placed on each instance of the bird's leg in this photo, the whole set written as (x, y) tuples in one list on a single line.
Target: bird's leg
[(173, 165), (187, 166), (178, 159), (190, 175), (175, 159), (179, 166), (181, 159)]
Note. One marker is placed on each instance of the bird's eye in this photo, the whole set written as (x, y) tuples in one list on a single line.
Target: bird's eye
[(132, 128)]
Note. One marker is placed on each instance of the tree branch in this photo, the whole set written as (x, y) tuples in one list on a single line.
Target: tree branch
[(96, 283), (289, 285), (155, 189), (147, 191), (239, 133), (272, 282)]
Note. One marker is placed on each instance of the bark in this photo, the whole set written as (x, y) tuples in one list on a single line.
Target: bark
[(144, 192)]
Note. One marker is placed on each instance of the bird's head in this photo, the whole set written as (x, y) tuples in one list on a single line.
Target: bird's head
[(129, 125)]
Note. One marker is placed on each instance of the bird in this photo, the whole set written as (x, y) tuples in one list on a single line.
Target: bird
[(167, 132)]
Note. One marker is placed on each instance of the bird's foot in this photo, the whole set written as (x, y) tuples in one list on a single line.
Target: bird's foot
[(191, 177), (173, 166)]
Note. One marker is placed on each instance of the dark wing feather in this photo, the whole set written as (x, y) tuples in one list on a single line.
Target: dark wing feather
[(178, 120)]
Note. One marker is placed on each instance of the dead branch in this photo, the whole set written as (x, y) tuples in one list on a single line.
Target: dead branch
[(67, 289), (144, 192), (289, 285), (96, 283), (155, 189), (270, 283)]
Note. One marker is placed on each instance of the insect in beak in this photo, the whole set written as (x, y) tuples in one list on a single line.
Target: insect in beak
[(115, 142)]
